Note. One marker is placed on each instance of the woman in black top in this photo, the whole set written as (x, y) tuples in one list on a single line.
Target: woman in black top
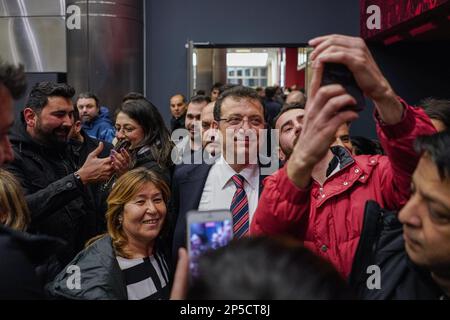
[(142, 138)]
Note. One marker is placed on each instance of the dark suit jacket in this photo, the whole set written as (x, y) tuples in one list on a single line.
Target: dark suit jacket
[(187, 189)]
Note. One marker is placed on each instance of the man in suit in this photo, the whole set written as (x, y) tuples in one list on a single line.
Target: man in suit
[(235, 176), (178, 108)]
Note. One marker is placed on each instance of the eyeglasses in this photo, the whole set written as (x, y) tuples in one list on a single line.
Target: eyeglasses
[(125, 129), (238, 121)]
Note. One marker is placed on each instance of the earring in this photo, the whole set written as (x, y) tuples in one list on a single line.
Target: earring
[(120, 220)]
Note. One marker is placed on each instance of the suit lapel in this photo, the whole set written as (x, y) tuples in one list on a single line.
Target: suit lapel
[(191, 188)]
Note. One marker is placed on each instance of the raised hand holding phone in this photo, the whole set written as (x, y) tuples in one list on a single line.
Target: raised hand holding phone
[(336, 73), (354, 53)]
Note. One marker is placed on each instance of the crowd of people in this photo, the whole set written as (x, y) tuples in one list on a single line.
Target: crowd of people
[(93, 206)]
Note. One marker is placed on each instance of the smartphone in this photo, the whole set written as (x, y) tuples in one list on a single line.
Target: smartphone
[(207, 230), (336, 73), (122, 144)]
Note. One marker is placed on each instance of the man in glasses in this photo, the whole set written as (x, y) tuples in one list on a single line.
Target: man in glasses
[(233, 182)]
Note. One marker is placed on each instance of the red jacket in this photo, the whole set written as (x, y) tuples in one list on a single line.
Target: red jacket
[(329, 219)]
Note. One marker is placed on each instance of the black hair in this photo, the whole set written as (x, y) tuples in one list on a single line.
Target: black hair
[(76, 114), (89, 95), (237, 92), (133, 96), (437, 146), (39, 94), (266, 269), (13, 78), (363, 145), (216, 85), (438, 109), (286, 107), (200, 99), (156, 134), (270, 92)]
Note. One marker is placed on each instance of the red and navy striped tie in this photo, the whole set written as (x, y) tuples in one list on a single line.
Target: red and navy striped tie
[(239, 208)]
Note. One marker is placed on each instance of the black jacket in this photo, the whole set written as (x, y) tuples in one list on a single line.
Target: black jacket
[(80, 152), (382, 245), (177, 123), (21, 254), (59, 204), (146, 160), (101, 276)]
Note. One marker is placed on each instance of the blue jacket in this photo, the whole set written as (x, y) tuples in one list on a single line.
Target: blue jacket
[(101, 128)]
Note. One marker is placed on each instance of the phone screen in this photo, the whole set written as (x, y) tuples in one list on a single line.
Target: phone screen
[(207, 235)]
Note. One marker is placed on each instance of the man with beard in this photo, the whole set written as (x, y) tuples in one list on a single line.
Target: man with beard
[(288, 123), (57, 191), (96, 121), (321, 202)]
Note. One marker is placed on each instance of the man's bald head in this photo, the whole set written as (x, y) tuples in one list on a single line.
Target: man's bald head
[(296, 97)]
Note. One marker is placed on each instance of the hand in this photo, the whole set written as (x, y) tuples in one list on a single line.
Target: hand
[(180, 280), (121, 161), (95, 169), (354, 53), (321, 121)]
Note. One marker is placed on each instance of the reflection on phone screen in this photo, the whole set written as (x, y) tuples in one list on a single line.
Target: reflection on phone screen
[(206, 236)]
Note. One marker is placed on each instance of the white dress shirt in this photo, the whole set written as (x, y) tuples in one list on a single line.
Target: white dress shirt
[(219, 189)]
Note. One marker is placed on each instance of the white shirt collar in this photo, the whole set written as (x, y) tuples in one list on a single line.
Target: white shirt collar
[(250, 173)]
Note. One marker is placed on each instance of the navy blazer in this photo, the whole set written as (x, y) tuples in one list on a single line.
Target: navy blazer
[(187, 189)]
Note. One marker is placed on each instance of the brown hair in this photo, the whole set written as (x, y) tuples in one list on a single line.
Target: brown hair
[(125, 188), (12, 202)]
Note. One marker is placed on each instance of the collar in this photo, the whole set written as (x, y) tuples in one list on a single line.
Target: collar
[(143, 150), (250, 173), (343, 155)]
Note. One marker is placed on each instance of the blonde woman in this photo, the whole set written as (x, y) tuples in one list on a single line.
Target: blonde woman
[(129, 261), (13, 207)]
